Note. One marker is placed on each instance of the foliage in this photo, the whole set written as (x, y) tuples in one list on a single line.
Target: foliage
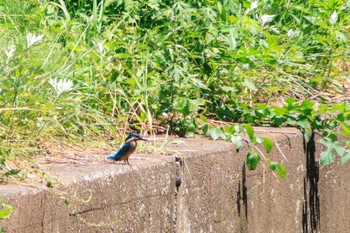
[(234, 133), (330, 123), (5, 210), (281, 170), (94, 69), (252, 160)]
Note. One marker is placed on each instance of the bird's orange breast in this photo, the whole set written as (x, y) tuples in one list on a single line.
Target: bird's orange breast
[(133, 145)]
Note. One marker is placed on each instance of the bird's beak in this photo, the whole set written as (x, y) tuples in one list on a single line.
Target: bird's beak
[(145, 139)]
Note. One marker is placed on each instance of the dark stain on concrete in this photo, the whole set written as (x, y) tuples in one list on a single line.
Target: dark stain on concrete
[(238, 198), (244, 191), (312, 200), (242, 198), (178, 181), (304, 215)]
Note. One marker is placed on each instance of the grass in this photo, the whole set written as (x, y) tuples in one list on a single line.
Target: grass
[(90, 71)]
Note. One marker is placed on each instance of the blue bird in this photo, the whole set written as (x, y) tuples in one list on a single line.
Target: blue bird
[(128, 148)]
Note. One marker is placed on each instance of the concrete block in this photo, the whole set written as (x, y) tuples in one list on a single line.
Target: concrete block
[(103, 197), (208, 190), (218, 193), (334, 196)]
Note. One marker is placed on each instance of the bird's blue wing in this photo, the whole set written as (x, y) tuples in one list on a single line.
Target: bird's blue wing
[(121, 152), (136, 135)]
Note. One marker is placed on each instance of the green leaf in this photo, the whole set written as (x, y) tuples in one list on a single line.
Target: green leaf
[(345, 158), (257, 140), (278, 121), (223, 15), (12, 172), (304, 123), (6, 211), (186, 108), (237, 141), (2, 160), (249, 84), (143, 117), (232, 40), (238, 128), (253, 160), (229, 129), (250, 130), (281, 170), (272, 165), (341, 117), (339, 149), (222, 11), (307, 134), (215, 133), (277, 111), (268, 144), (205, 128), (203, 118), (66, 201), (49, 184), (327, 157), (307, 104), (345, 127), (290, 101)]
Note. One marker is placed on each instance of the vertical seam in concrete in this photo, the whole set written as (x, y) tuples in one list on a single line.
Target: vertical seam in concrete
[(175, 212), (43, 200), (304, 210), (244, 192), (178, 181), (242, 200)]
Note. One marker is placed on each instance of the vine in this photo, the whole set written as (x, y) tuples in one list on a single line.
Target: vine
[(329, 123)]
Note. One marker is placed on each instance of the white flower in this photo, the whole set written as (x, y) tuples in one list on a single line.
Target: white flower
[(267, 18), (254, 5), (274, 29), (179, 46), (99, 46), (9, 52), (61, 86), (291, 33), (333, 18), (33, 39), (245, 66), (110, 58)]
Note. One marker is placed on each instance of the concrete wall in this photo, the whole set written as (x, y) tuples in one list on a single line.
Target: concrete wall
[(219, 194), (208, 190), (334, 195)]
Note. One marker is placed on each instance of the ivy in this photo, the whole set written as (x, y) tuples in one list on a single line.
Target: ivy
[(5, 210), (253, 159), (324, 121)]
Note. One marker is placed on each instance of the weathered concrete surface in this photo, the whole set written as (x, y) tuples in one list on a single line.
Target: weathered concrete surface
[(334, 197), (102, 198), (217, 192), (275, 205)]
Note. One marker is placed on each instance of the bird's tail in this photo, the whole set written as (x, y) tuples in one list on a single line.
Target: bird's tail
[(110, 157)]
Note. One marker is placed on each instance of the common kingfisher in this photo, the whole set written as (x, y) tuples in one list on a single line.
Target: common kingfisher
[(128, 147)]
